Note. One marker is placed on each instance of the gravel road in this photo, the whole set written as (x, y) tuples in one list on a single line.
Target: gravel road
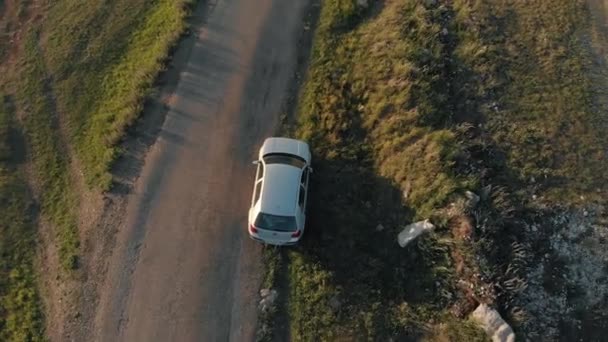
[(182, 267)]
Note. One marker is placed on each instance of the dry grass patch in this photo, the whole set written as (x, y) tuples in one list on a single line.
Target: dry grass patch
[(409, 103), (75, 81), (20, 314)]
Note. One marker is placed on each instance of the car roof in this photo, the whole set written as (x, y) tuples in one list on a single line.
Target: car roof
[(286, 145), (280, 189)]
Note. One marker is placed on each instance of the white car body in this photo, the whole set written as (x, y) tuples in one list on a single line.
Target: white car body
[(278, 205)]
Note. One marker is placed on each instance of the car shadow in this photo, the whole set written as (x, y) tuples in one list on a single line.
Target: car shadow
[(354, 217)]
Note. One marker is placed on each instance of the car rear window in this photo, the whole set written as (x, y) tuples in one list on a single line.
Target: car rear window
[(284, 158), (276, 222)]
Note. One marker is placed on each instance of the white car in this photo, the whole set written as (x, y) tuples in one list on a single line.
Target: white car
[(277, 214)]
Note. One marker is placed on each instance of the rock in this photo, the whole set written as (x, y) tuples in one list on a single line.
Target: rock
[(264, 292), (473, 199), (268, 299), (334, 303), (493, 324), (444, 31), (412, 231), (379, 227), (407, 190), (362, 3)]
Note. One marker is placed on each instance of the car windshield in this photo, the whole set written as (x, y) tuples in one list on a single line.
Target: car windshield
[(284, 158), (276, 222)]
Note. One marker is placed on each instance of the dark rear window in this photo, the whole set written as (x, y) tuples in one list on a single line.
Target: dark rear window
[(276, 223), (284, 158)]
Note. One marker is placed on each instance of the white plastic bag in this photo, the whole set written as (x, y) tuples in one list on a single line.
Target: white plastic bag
[(411, 231)]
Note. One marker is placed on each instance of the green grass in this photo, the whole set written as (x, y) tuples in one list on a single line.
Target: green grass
[(104, 72), (537, 71), (94, 77), (543, 138), (406, 106), (392, 112), (79, 82), (311, 316), (376, 111), (266, 319), (47, 152), (20, 314)]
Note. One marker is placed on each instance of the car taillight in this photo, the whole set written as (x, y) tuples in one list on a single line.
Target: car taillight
[(253, 229), (297, 233)]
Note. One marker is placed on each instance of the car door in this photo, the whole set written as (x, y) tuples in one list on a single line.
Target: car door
[(303, 196)]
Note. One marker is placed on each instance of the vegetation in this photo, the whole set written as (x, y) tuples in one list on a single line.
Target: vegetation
[(20, 315), (48, 153), (103, 72), (94, 79), (376, 110), (542, 142), (536, 95), (457, 330), (310, 311), (73, 86), (266, 320), (409, 103)]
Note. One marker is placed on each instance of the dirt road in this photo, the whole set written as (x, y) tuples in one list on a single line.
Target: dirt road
[(182, 268)]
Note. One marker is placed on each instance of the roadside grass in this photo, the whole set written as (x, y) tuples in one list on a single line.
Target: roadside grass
[(271, 259), (545, 143), (103, 73), (20, 314), (377, 112), (47, 153), (406, 105), (541, 112), (75, 86), (93, 78)]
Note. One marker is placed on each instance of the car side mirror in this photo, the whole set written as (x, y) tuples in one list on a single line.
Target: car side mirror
[(310, 169), (255, 162)]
